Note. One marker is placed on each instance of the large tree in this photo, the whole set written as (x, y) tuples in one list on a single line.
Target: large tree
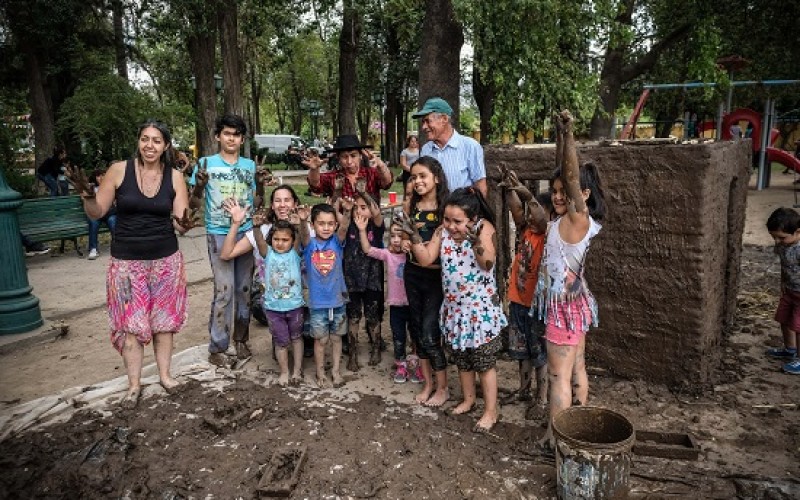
[(439, 60), (348, 53)]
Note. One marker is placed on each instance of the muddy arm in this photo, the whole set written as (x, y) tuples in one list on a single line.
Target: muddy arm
[(571, 170)]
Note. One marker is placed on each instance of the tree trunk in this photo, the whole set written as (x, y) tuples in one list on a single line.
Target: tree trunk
[(255, 87), (201, 55), (394, 87), (42, 117), (348, 53), (439, 65), (233, 96), (120, 52), (484, 92)]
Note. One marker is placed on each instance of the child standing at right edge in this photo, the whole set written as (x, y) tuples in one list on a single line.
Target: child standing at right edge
[(562, 297), (784, 227)]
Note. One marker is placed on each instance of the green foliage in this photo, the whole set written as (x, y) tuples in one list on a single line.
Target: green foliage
[(20, 180), (103, 116)]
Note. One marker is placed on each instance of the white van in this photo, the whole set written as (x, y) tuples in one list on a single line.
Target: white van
[(278, 143)]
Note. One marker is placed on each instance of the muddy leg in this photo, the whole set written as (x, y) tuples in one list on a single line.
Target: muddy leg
[(283, 362), (491, 412), (132, 354), (319, 361), (560, 363), (352, 336), (297, 356), (580, 380), (336, 354), (427, 384), (467, 380), (525, 372), (374, 332)]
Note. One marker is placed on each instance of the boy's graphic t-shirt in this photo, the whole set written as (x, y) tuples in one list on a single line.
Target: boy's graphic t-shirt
[(790, 266), (225, 180), (283, 287), (324, 276)]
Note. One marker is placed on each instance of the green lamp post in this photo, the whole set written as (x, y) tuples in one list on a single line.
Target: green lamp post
[(19, 309)]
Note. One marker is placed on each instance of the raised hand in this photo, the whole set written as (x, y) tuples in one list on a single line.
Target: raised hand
[(511, 182), (264, 176), (313, 162), (182, 163), (299, 214), (361, 222), (77, 178), (347, 204), (260, 216), (338, 187), (361, 185), (373, 160), (188, 220), (200, 179), (407, 226), (238, 212)]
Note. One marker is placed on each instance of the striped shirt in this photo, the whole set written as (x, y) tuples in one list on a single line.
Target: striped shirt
[(461, 159)]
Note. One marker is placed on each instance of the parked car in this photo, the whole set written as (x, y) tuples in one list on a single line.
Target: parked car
[(279, 143)]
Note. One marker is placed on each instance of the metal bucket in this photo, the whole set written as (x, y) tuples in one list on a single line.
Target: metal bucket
[(593, 453)]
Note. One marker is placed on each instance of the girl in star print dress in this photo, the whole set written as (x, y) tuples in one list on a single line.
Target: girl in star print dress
[(470, 317)]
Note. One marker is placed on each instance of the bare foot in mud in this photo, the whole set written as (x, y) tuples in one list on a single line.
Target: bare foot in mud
[(463, 407), (283, 379), (338, 381), (323, 382), (439, 398), (537, 411), (297, 379), (131, 399), (487, 422), (424, 395), (170, 385)]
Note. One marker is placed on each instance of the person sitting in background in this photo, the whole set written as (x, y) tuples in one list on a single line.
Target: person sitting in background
[(32, 247), (110, 218), (50, 169)]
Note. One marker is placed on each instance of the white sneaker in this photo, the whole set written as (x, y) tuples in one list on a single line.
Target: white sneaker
[(93, 254)]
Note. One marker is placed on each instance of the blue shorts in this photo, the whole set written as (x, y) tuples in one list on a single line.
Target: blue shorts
[(526, 336), (329, 321)]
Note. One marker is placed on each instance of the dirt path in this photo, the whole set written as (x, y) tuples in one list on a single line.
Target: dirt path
[(369, 441)]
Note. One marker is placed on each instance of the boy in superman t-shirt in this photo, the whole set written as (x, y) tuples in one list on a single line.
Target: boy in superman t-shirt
[(327, 293)]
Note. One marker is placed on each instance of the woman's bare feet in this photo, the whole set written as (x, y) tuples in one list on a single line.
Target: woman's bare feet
[(131, 398), (338, 381), (463, 407), (283, 379), (296, 379), (439, 398)]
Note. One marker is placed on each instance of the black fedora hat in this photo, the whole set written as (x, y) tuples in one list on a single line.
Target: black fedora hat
[(347, 142)]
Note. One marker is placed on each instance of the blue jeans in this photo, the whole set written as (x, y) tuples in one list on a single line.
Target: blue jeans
[(327, 321), (94, 228), (230, 304), (50, 182)]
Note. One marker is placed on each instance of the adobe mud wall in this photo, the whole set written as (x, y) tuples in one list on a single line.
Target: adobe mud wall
[(665, 267)]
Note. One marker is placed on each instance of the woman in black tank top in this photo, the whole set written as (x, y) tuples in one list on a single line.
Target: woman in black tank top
[(146, 280)]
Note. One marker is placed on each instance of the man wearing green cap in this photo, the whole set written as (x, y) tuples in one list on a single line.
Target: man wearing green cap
[(461, 157)]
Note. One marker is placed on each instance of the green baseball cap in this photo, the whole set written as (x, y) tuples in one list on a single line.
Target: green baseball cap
[(434, 105)]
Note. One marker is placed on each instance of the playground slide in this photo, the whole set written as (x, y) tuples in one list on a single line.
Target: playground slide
[(784, 158)]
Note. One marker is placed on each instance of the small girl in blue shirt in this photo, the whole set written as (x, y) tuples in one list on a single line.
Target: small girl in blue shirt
[(278, 267)]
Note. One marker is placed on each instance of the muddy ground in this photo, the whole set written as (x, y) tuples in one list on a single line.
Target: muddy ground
[(211, 441), (216, 438)]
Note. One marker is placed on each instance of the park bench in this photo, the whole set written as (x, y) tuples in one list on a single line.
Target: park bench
[(60, 218)]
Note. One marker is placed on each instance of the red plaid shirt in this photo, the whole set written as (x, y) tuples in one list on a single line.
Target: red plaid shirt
[(327, 181)]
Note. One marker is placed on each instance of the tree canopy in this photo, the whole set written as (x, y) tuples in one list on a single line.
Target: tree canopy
[(86, 72)]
